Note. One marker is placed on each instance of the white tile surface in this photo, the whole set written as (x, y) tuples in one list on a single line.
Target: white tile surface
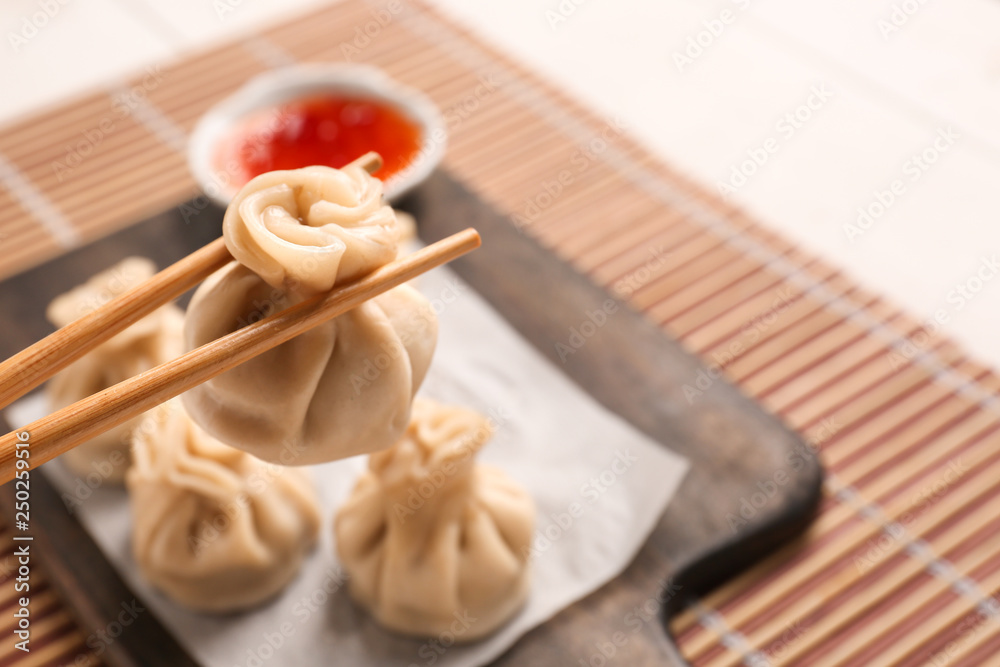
[(193, 23), (890, 96), (76, 45)]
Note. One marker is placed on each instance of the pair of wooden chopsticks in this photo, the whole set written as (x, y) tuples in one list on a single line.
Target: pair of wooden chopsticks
[(61, 431)]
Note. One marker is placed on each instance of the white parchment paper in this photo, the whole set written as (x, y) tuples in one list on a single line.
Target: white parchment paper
[(599, 484)]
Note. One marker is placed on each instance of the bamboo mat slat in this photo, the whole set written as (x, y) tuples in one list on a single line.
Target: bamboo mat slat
[(903, 563), (55, 638)]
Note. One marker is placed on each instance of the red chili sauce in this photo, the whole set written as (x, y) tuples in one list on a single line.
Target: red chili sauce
[(329, 130)]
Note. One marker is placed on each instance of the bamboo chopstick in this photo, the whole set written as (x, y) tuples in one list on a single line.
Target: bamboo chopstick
[(35, 364), (61, 431)]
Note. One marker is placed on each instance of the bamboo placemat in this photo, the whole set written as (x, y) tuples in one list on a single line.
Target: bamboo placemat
[(903, 563)]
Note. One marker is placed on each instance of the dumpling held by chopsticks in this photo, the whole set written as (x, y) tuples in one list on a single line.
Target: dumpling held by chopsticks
[(343, 388)]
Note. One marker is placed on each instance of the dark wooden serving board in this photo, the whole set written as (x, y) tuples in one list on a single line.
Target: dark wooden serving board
[(629, 365)]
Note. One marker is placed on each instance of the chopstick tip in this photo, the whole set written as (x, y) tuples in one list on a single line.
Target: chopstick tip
[(370, 162)]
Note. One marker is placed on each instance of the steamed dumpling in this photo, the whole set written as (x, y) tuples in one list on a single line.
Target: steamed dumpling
[(428, 535), (344, 387), (151, 341), (214, 528)]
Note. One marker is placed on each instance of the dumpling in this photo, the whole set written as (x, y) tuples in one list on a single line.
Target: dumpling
[(308, 229), (151, 341), (343, 388), (429, 536), (214, 528), (407, 227)]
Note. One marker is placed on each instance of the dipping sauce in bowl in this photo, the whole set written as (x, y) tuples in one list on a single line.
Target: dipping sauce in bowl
[(330, 130), (317, 114)]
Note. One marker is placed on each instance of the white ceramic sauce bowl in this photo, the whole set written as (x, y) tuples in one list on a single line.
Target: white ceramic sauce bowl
[(280, 86)]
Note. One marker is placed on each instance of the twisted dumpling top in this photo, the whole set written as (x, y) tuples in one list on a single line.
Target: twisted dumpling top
[(304, 230), (440, 440)]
